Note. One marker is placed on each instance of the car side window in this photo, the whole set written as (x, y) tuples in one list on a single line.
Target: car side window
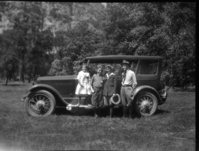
[(148, 67)]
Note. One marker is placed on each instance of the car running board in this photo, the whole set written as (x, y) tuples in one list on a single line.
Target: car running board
[(70, 106)]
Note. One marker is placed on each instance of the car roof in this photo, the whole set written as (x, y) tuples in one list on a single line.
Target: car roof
[(120, 58)]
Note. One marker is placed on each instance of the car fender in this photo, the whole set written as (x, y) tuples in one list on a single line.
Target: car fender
[(145, 87), (48, 88)]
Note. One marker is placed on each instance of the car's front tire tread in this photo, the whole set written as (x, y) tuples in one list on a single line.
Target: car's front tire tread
[(41, 92)]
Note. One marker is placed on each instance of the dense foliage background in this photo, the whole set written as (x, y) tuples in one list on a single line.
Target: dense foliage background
[(52, 38)]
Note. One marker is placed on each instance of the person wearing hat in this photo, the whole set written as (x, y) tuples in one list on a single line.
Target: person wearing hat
[(97, 95), (109, 88), (129, 82)]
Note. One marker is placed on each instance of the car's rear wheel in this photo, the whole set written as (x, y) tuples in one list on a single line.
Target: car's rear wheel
[(40, 103), (146, 104)]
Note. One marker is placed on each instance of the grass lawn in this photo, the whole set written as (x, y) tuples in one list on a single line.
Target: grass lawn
[(172, 128)]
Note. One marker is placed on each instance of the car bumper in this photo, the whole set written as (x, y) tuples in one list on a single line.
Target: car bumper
[(163, 96)]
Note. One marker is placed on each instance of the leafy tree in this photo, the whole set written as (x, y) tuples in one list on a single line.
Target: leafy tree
[(81, 42), (46, 31), (164, 29), (180, 25), (8, 58), (61, 67), (39, 58), (33, 44)]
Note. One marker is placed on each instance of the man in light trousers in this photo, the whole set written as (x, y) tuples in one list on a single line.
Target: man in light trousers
[(129, 83)]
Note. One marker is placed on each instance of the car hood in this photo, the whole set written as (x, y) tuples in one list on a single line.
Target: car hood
[(68, 77)]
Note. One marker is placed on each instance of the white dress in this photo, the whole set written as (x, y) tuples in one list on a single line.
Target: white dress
[(84, 78)]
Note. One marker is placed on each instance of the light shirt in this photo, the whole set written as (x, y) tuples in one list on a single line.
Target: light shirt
[(97, 80), (129, 79)]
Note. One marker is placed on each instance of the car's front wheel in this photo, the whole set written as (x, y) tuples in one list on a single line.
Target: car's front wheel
[(146, 104), (40, 103)]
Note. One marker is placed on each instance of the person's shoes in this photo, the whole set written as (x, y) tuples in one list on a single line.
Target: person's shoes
[(130, 112), (99, 112), (125, 111), (96, 112), (111, 112), (107, 112)]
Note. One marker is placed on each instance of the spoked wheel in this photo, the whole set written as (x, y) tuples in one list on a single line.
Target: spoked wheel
[(40, 103), (146, 104)]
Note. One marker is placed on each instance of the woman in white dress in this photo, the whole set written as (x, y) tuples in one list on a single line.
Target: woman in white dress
[(83, 86)]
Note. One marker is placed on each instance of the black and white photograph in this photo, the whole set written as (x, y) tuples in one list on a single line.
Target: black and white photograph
[(97, 76)]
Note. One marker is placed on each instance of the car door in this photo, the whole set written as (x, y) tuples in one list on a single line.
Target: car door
[(147, 73)]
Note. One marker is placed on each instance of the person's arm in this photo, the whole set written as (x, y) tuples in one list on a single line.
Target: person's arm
[(89, 82), (104, 79), (92, 80), (115, 83), (134, 80), (80, 82), (122, 76), (89, 78), (79, 78)]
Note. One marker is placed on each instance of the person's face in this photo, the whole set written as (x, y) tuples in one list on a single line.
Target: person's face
[(83, 68), (124, 67), (108, 70), (99, 71)]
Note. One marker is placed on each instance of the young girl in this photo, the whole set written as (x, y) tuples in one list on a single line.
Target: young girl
[(83, 86)]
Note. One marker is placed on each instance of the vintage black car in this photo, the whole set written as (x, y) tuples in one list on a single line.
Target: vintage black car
[(52, 92)]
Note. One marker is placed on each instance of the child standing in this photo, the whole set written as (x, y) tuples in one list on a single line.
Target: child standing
[(97, 84), (83, 86)]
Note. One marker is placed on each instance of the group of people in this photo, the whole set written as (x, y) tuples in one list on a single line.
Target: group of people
[(103, 88)]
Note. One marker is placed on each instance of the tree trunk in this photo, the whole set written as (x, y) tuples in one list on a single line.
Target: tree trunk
[(20, 69), (22, 76), (29, 79), (6, 80), (70, 5), (30, 76)]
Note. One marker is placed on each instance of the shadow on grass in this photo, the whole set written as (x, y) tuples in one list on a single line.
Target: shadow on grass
[(179, 89), (63, 111), (160, 111), (117, 113)]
